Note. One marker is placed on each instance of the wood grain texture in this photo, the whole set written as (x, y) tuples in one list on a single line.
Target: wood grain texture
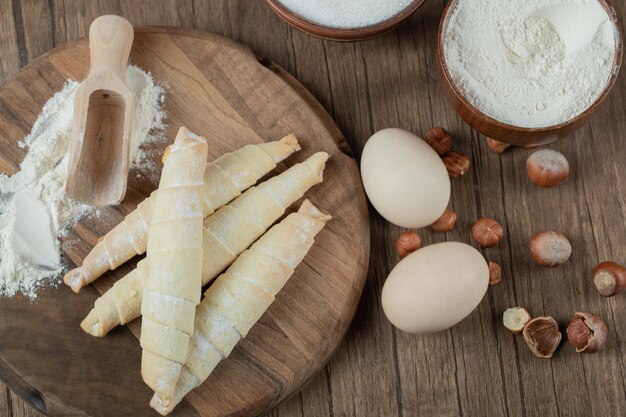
[(477, 368), (221, 89)]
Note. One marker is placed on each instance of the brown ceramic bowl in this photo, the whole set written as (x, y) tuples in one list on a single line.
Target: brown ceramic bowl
[(505, 132), (337, 34)]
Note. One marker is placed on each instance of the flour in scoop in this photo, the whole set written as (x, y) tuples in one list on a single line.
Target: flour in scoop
[(348, 14), (34, 208), (510, 62)]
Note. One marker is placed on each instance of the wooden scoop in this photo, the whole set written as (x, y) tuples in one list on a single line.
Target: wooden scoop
[(103, 112)]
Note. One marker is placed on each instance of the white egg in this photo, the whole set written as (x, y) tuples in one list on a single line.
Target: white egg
[(404, 178), (435, 287)]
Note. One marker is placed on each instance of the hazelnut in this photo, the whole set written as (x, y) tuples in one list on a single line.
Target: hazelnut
[(587, 333), (515, 319), (547, 168), (495, 273), (446, 222), (609, 278), (496, 146), (408, 242), (542, 336), (439, 139), (456, 163), (550, 248), (487, 232)]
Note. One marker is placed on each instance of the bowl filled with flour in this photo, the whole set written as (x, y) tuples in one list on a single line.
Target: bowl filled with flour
[(528, 72), (344, 20)]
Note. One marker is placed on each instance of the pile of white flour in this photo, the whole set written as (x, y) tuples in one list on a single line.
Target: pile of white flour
[(34, 208), (512, 65), (346, 13)]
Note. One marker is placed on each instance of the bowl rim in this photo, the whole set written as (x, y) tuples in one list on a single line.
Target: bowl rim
[(615, 69), (342, 34)]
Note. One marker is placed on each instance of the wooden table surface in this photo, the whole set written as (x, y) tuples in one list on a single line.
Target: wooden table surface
[(478, 368)]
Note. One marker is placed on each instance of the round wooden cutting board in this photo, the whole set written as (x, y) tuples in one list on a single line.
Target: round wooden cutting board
[(225, 92)]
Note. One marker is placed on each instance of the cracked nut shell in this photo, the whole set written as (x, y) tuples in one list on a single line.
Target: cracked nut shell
[(542, 335), (587, 332)]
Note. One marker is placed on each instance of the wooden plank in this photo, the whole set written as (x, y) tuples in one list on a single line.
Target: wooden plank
[(21, 408), (71, 18), (9, 65), (10, 62), (40, 39), (6, 409), (159, 12)]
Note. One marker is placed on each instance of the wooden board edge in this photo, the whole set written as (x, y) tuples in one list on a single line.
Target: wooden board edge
[(22, 388)]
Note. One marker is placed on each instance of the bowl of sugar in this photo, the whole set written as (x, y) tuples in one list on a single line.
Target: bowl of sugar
[(528, 72), (344, 20)]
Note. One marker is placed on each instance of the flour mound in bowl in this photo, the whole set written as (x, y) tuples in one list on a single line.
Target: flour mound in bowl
[(511, 64)]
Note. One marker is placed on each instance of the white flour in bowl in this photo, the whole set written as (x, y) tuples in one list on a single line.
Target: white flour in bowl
[(34, 209), (512, 66), (347, 14)]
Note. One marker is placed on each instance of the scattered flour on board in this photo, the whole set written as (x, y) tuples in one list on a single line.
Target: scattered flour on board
[(34, 209)]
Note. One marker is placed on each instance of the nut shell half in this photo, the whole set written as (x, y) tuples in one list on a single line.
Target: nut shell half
[(542, 335)]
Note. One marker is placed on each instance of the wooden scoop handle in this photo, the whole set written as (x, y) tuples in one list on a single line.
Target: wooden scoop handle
[(110, 40)]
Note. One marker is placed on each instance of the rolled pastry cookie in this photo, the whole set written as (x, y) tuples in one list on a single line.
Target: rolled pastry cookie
[(173, 284), (227, 233), (240, 296), (224, 179)]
